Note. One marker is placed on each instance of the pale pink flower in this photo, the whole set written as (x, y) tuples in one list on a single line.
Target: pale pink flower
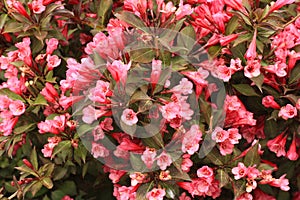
[(106, 124), (233, 135), (99, 150), (269, 102), (47, 151), (250, 185), (156, 194), (282, 183), (155, 73), (252, 173), (287, 112), (191, 139), (240, 171), (279, 68), (52, 61), (164, 160), (116, 175), (98, 133), (224, 73), (184, 197), (91, 114), (170, 110), (236, 64), (37, 6), (252, 69), (129, 117), (165, 175), (183, 10), (52, 44), (4, 102), (137, 178), (185, 87), (100, 92), (219, 135), (124, 193), (148, 157), (17, 107)]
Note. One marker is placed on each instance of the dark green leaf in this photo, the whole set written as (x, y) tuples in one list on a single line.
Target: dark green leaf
[(34, 159), (232, 25), (10, 94), (252, 157), (145, 55), (295, 74), (259, 80), (245, 89), (47, 182), (223, 177), (62, 146), (133, 20), (40, 100), (104, 10), (25, 128)]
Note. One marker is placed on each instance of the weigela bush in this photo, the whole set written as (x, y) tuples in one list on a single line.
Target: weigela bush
[(152, 99)]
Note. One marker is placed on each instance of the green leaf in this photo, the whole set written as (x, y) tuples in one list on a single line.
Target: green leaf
[(35, 187), (69, 188), (40, 100), (178, 63), (172, 190), (62, 146), (245, 89), (25, 128), (242, 38), (26, 169), (104, 10), (47, 182), (3, 18), (295, 74), (136, 162), (133, 20), (214, 51), (144, 55), (239, 188), (223, 177), (259, 80), (252, 157), (10, 94), (33, 159), (232, 25), (13, 27), (215, 157), (143, 190)]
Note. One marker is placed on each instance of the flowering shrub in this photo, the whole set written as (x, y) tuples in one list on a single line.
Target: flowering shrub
[(150, 99)]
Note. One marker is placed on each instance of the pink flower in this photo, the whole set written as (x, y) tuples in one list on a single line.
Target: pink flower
[(251, 52), (186, 163), (91, 114), (282, 183), (237, 5), (245, 196), (227, 39), (52, 62), (67, 197), (205, 172), (185, 87), (100, 92), (99, 150), (240, 171), (124, 193), (298, 104), (156, 194), (219, 135), (170, 110), (224, 73), (252, 173), (98, 133), (48, 148), (164, 160), (116, 175), (184, 197), (226, 147), (183, 10), (50, 93), (137, 178), (37, 6), (119, 70), (233, 135), (277, 145), (17, 107), (260, 195), (278, 68), (148, 157), (191, 139), (292, 152), (269, 102), (51, 45), (287, 112), (155, 73), (252, 69), (129, 117), (106, 124), (280, 3)]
